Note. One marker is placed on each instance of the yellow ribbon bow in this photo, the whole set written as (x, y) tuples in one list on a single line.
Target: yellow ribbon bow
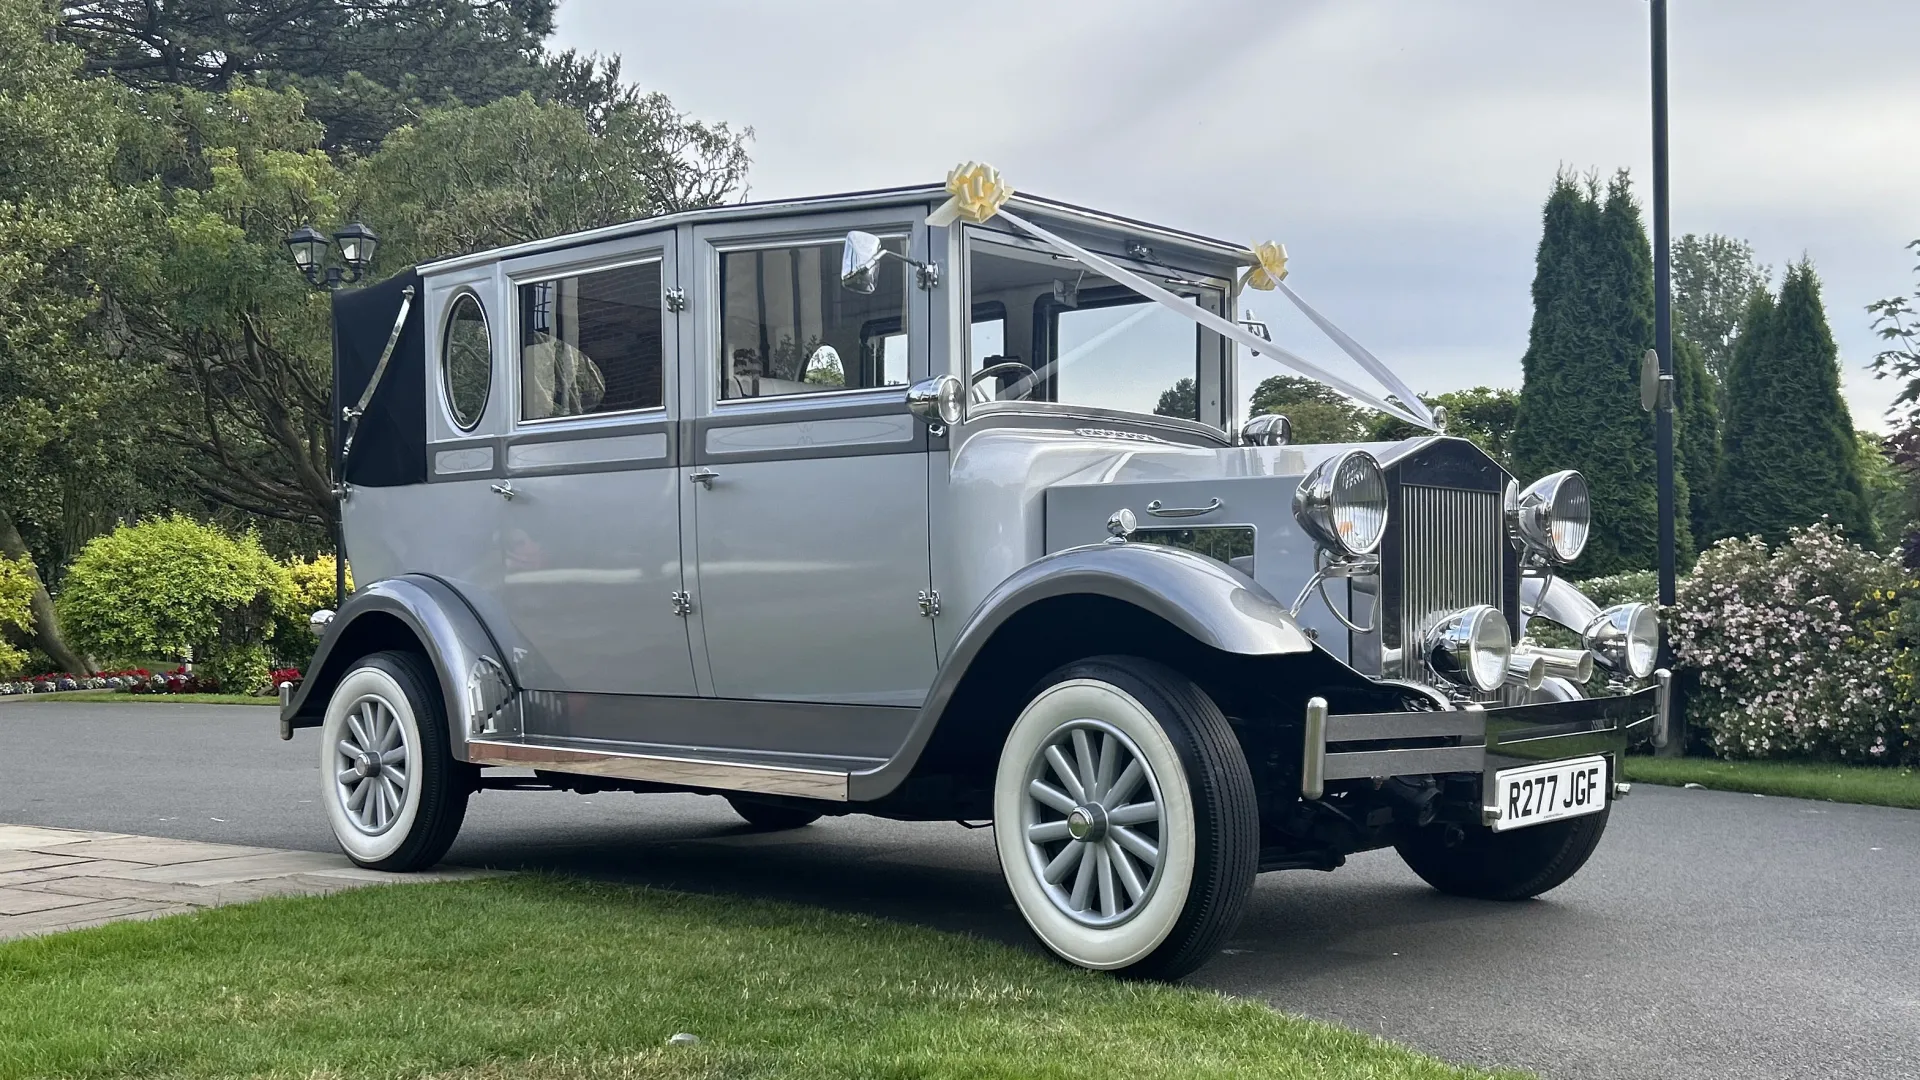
[(977, 193), (1270, 266)]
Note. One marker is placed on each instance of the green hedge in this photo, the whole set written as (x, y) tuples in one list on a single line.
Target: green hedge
[(172, 586)]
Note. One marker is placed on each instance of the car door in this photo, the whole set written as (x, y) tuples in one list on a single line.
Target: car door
[(590, 509), (806, 473)]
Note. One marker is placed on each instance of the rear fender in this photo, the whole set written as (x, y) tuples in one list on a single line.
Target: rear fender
[(419, 614)]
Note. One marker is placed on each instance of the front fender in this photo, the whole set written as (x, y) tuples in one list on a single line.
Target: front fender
[(1212, 603), (423, 614)]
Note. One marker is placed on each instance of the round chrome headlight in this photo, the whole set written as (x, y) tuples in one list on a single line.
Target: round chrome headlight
[(1553, 515), (1342, 503), (1625, 638), (1471, 647)]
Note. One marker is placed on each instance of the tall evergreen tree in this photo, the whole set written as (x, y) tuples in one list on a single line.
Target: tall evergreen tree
[(1696, 432), (1579, 400), (1789, 455)]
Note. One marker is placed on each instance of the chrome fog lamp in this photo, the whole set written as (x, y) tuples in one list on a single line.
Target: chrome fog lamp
[(1471, 647), (1625, 638), (1342, 503), (939, 400), (1552, 516)]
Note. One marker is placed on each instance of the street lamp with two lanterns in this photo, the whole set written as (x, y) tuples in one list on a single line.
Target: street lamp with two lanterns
[(309, 248)]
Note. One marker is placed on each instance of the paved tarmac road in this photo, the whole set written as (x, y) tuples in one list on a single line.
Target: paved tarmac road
[(1713, 935)]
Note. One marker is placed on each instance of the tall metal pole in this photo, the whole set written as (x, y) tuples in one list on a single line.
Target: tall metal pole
[(1663, 327)]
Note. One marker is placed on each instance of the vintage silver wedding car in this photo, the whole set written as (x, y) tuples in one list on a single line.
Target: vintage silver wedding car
[(841, 505)]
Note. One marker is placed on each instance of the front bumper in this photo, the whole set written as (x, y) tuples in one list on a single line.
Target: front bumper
[(1362, 746)]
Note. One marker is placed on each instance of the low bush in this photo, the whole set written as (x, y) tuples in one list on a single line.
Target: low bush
[(16, 612), (1793, 647), (313, 589), (172, 586)]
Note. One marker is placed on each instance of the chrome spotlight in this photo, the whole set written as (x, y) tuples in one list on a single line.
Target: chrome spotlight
[(1471, 648), (1551, 518), (1625, 638), (1342, 504)]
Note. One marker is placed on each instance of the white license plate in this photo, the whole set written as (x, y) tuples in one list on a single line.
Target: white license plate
[(1537, 794)]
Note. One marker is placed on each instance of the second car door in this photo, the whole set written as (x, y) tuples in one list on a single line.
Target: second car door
[(809, 476)]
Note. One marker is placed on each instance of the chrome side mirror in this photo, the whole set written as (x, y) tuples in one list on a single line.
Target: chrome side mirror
[(1267, 429), (941, 401), (860, 262)]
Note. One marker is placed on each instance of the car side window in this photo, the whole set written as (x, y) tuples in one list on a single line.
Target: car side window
[(591, 343), (788, 327)]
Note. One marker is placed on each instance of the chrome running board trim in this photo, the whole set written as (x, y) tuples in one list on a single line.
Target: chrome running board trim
[(657, 769)]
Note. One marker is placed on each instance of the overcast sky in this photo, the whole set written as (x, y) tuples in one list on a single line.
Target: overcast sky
[(1401, 149)]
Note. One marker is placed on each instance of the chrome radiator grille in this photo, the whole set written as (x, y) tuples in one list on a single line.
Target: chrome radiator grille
[(1448, 552)]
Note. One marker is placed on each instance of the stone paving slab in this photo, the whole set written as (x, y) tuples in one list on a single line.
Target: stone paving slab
[(52, 880)]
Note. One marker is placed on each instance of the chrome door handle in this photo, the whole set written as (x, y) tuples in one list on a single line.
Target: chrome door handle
[(703, 477), (1157, 510), (505, 490)]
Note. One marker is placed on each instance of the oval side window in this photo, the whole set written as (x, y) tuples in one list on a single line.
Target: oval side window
[(466, 360)]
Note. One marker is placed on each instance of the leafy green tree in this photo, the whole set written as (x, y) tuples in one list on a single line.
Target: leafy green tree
[(1714, 278), (462, 180), (18, 583), (365, 66), (1890, 498), (1696, 431), (1483, 416), (1788, 453), (1182, 399), (72, 404), (1317, 413), (1579, 402)]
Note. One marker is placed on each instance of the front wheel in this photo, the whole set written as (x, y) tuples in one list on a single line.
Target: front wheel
[(1478, 862), (394, 794), (1125, 818)]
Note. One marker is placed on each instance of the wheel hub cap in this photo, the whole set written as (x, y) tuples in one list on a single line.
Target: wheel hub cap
[(1087, 823)]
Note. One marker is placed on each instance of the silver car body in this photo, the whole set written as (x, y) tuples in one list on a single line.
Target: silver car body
[(815, 595)]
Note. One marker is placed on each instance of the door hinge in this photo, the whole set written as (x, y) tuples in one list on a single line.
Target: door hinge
[(682, 603), (676, 299), (929, 602)]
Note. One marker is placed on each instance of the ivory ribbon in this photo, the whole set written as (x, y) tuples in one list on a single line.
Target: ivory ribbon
[(975, 193), (1232, 331)]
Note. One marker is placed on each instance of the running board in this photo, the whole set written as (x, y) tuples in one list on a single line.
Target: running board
[(760, 777)]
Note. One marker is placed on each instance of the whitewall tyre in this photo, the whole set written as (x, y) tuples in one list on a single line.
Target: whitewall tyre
[(1125, 818), (395, 796)]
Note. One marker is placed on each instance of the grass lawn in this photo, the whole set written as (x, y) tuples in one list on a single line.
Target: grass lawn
[(117, 697), (1838, 783), (537, 977)]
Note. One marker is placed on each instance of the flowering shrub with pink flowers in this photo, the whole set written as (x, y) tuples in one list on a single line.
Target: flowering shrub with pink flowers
[(1794, 647)]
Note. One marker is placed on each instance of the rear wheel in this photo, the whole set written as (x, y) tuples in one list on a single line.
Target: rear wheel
[(1125, 818), (394, 794), (1516, 865), (770, 816)]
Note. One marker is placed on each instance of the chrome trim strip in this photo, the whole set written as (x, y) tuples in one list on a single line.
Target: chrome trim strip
[(1358, 727), (658, 769), (1365, 764)]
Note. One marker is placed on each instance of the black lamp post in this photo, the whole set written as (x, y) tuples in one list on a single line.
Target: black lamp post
[(357, 243), (1663, 341)]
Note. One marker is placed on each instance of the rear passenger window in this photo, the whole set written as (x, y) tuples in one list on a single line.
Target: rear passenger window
[(788, 327), (591, 343)]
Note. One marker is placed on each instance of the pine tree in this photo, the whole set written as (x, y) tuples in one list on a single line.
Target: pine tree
[(1579, 400), (1696, 433), (1788, 455)]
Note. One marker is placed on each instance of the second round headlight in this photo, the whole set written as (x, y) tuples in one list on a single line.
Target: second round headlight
[(1342, 503), (1471, 647), (1553, 516), (1625, 638)]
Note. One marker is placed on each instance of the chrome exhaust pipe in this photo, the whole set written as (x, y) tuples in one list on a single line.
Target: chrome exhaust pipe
[(1575, 665), (1526, 670)]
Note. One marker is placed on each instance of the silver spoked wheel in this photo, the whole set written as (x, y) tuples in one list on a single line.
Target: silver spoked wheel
[(1093, 823), (373, 766)]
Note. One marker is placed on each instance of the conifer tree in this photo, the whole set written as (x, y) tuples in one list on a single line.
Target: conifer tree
[(1789, 455), (1696, 434), (1579, 400)]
